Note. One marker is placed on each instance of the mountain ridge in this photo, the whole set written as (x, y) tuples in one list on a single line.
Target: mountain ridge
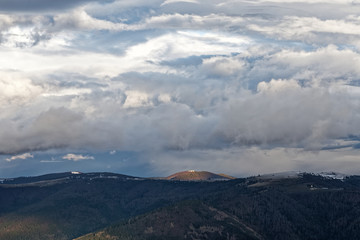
[(182, 175)]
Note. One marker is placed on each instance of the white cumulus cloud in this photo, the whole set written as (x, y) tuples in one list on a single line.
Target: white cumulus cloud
[(77, 157), (21, 156)]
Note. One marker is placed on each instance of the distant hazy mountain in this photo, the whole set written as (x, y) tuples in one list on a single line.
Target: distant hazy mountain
[(101, 206), (55, 178)]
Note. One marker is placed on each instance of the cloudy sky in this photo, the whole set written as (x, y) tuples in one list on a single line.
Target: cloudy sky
[(149, 88)]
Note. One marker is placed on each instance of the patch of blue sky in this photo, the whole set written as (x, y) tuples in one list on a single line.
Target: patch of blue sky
[(111, 42), (130, 16), (348, 47), (280, 44), (194, 60)]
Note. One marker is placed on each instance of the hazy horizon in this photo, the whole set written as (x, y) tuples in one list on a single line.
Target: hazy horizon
[(149, 88)]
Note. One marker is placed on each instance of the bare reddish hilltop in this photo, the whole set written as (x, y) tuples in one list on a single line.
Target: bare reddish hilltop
[(193, 175)]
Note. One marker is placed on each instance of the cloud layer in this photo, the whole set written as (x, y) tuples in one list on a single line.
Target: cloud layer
[(41, 5), (179, 76)]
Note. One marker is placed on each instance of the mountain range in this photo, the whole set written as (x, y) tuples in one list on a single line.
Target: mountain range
[(186, 205)]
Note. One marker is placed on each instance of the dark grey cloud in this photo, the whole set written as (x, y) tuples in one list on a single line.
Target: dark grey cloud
[(42, 5)]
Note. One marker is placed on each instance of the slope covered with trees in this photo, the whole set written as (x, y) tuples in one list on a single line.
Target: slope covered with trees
[(108, 207)]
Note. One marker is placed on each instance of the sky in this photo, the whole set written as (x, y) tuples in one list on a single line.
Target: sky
[(149, 88)]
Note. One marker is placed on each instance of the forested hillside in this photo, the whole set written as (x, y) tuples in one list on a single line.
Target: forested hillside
[(120, 207)]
